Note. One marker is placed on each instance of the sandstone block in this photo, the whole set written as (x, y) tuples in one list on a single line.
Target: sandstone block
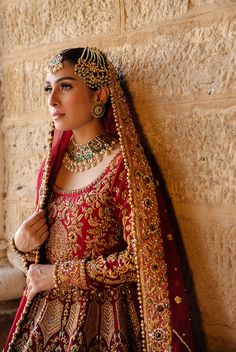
[(195, 149), (26, 24), (15, 214), (26, 149), (198, 3), (12, 282), (211, 247), (182, 63), (14, 259), (3, 248), (140, 13), (23, 84)]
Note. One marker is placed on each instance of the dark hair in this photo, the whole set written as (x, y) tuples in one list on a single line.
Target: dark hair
[(72, 55)]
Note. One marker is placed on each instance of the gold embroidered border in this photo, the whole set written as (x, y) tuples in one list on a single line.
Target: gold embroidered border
[(150, 264)]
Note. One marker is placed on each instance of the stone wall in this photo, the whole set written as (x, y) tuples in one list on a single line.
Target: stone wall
[(178, 58)]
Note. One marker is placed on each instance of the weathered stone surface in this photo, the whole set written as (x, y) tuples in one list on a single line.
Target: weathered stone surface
[(140, 13), (3, 248), (211, 247), (15, 214), (195, 149), (26, 149), (44, 22), (197, 3), (23, 85), (218, 344), (188, 62), (12, 281), (14, 259)]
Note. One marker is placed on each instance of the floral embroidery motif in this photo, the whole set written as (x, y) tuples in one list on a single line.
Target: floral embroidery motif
[(84, 223)]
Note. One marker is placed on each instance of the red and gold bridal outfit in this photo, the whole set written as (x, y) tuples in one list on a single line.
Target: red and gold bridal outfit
[(120, 282), (101, 312)]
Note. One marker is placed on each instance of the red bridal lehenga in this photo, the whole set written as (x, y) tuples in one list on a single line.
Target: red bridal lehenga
[(121, 287), (88, 223)]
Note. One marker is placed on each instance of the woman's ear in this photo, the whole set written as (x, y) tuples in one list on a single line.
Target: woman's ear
[(103, 95)]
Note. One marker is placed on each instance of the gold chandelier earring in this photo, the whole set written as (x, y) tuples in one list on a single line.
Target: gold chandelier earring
[(97, 110)]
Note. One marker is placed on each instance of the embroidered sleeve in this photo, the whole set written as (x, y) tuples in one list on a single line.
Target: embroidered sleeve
[(113, 270), (116, 269)]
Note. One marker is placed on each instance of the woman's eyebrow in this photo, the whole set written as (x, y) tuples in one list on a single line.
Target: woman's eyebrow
[(62, 79)]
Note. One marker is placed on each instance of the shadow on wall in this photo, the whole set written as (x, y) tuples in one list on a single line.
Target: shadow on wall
[(195, 314)]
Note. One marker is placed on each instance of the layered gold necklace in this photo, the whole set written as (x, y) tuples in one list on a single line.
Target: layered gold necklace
[(80, 157)]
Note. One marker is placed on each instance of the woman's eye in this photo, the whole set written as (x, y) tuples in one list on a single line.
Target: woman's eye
[(47, 89), (65, 86)]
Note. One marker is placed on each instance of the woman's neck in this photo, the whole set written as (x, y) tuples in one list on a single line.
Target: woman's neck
[(83, 134)]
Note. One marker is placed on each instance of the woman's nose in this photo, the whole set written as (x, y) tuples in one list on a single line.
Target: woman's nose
[(53, 98)]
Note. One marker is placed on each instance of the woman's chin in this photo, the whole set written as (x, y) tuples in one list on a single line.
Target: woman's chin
[(60, 126)]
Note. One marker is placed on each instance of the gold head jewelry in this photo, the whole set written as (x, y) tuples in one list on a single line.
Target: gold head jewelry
[(55, 64), (91, 66)]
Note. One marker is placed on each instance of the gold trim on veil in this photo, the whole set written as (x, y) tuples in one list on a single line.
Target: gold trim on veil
[(149, 251)]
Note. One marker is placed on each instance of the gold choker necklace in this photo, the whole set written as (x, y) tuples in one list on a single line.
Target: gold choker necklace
[(80, 157)]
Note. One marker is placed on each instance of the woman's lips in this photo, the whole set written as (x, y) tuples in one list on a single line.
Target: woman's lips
[(57, 115)]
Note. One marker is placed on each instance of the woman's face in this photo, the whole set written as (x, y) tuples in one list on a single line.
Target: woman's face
[(69, 98)]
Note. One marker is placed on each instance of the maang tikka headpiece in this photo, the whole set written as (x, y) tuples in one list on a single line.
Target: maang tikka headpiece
[(91, 66), (55, 64)]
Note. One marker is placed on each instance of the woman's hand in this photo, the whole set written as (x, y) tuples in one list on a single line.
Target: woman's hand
[(32, 233), (40, 277)]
